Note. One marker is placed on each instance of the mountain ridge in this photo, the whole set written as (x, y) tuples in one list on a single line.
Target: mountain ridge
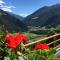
[(48, 16), (10, 22)]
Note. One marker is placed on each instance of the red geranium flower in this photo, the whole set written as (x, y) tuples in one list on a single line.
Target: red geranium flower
[(42, 46), (18, 39), (13, 42), (22, 37), (25, 40), (10, 42), (6, 38)]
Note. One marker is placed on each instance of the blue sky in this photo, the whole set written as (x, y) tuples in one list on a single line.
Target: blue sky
[(25, 7)]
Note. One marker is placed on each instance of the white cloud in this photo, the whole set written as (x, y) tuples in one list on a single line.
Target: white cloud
[(7, 8), (4, 7), (12, 6), (2, 2), (24, 15)]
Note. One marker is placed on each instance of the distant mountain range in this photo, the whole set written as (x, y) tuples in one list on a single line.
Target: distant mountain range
[(47, 16), (11, 21), (17, 16)]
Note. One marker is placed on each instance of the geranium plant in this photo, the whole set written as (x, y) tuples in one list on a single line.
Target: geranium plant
[(11, 44), (12, 47)]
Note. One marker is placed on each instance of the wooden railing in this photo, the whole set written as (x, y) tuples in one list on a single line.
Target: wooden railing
[(52, 41)]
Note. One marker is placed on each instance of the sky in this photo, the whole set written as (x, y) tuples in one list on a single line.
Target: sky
[(25, 7)]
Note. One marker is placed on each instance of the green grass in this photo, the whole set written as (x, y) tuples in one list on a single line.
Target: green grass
[(29, 35), (39, 38)]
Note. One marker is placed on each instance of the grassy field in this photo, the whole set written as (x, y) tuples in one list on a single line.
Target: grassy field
[(33, 37)]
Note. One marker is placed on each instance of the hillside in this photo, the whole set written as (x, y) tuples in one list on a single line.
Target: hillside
[(10, 22), (17, 16), (47, 16)]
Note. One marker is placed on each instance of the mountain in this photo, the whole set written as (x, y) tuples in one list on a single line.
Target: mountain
[(17, 16), (47, 16), (10, 22)]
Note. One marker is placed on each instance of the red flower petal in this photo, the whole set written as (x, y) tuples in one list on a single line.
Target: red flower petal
[(42, 46)]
